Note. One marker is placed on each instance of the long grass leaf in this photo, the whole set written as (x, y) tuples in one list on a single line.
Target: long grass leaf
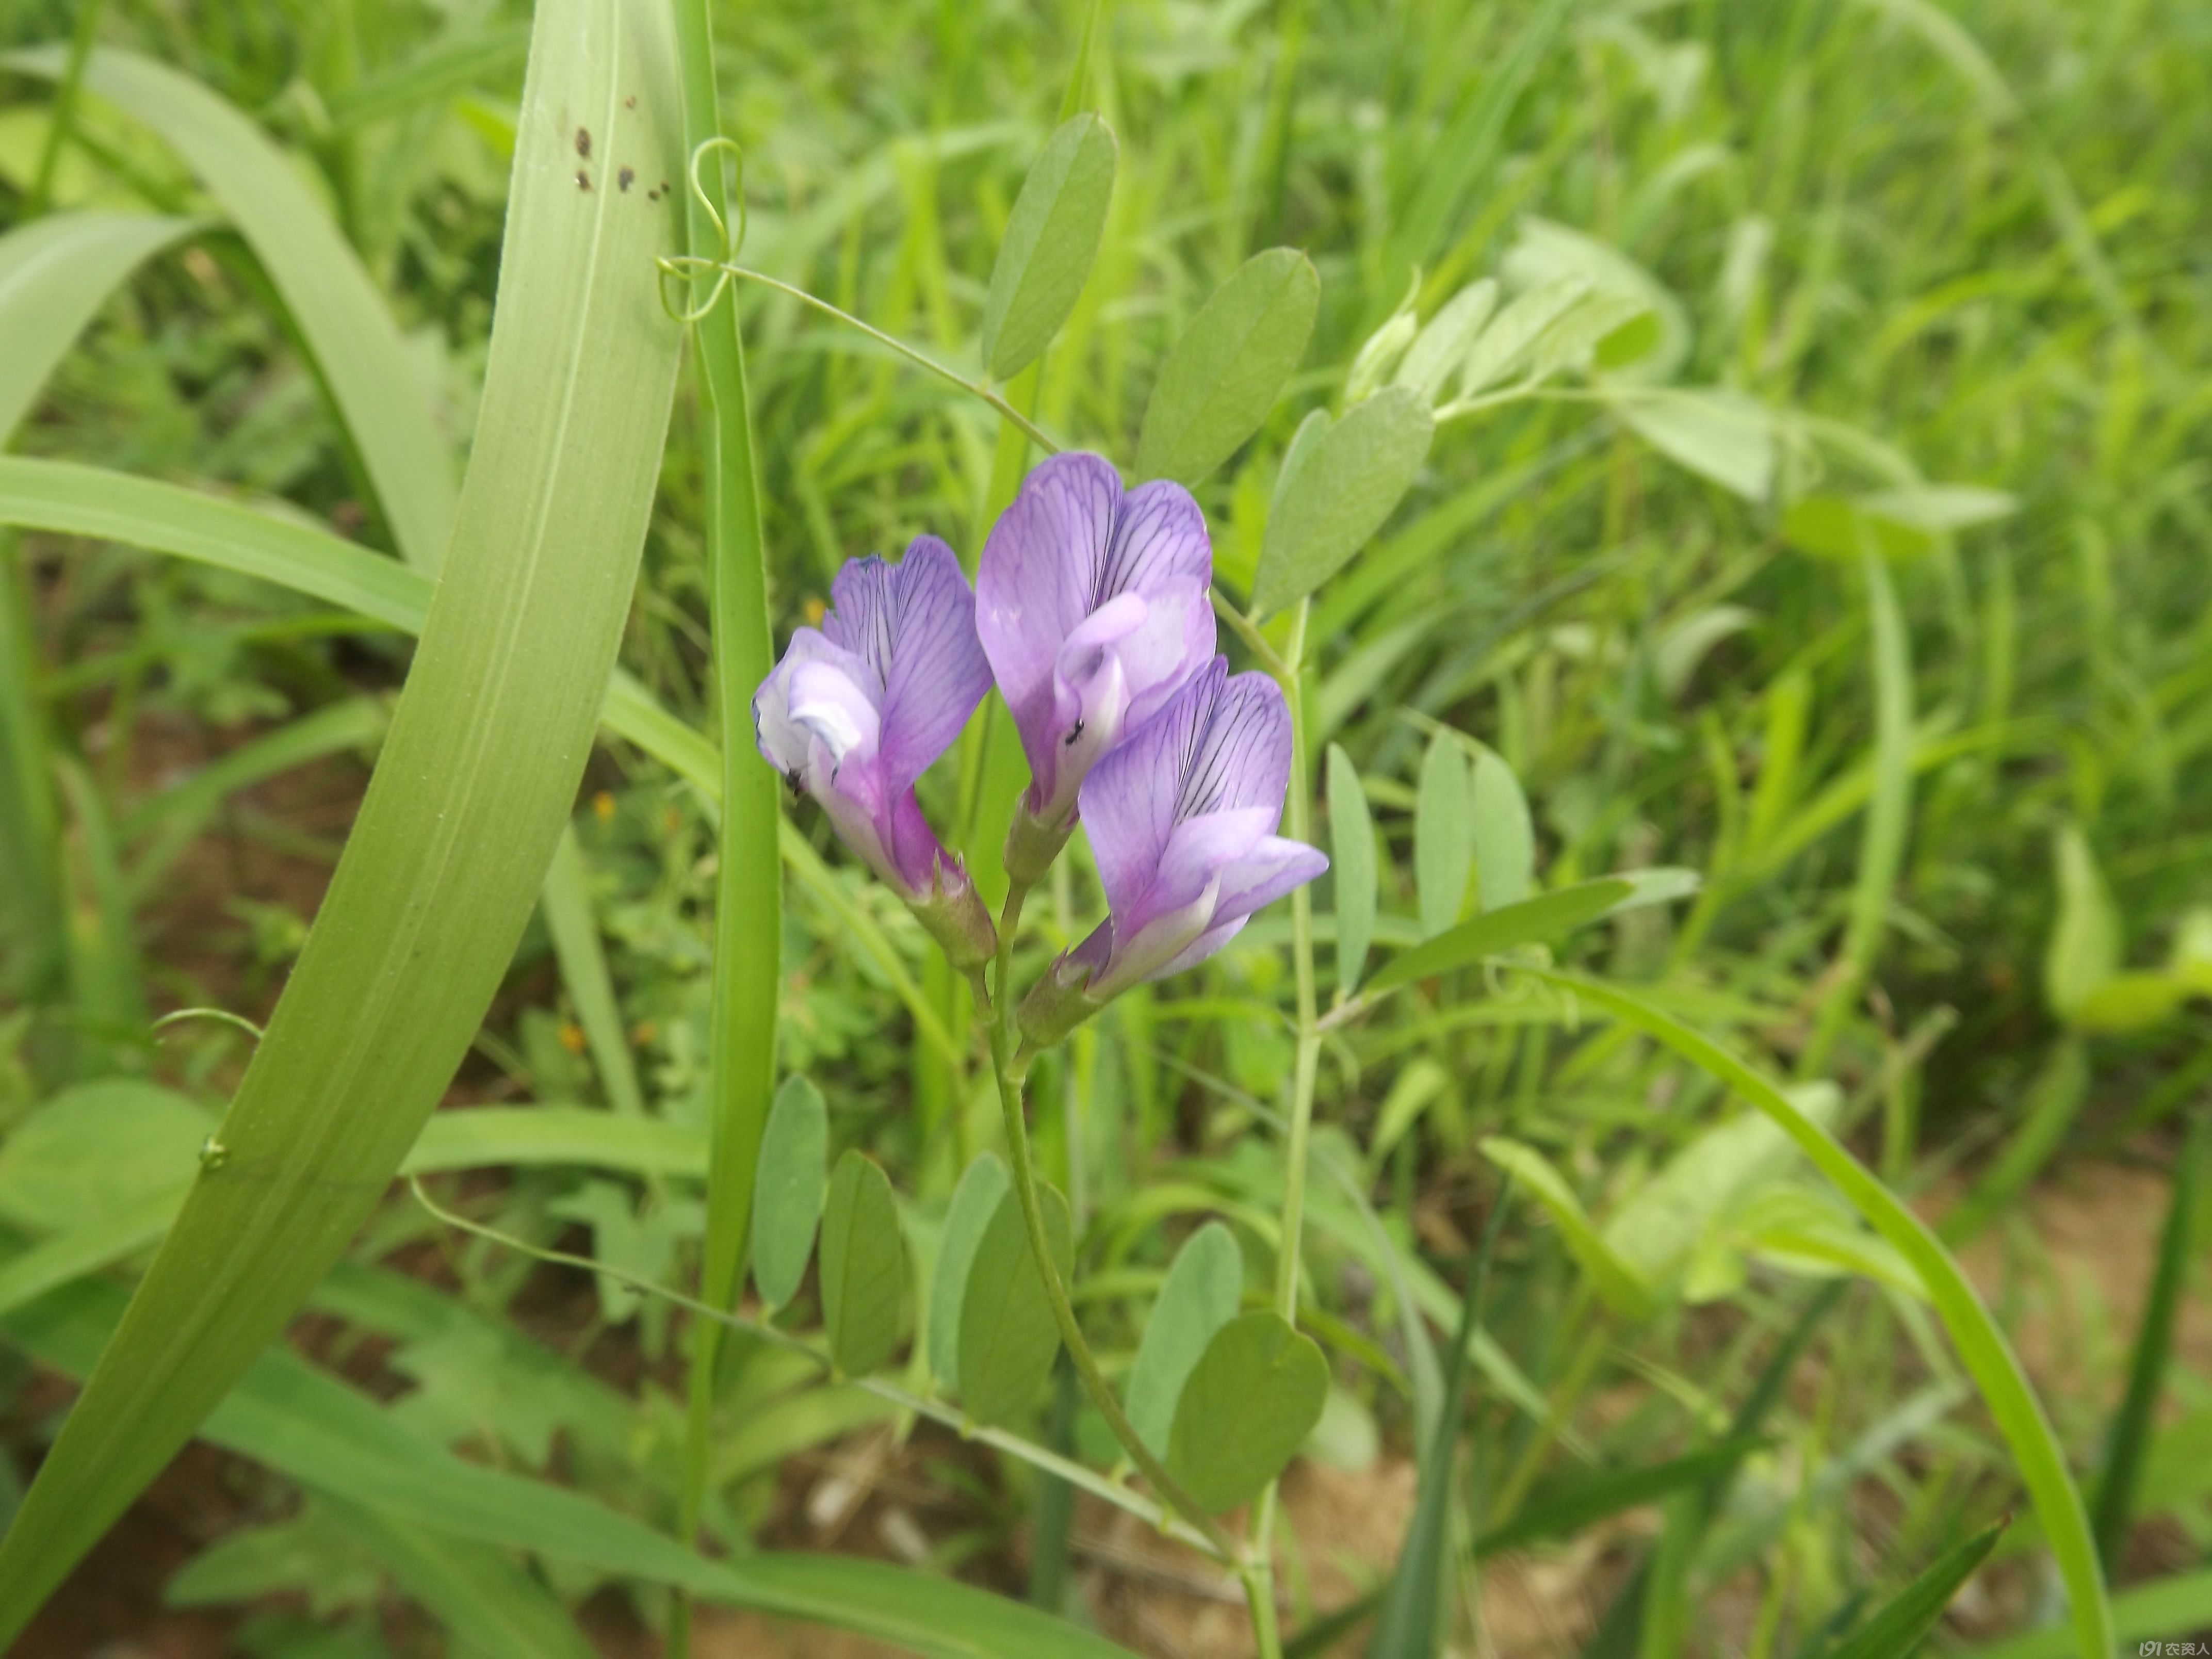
[(55, 274), (2135, 1420), (575, 928), (1988, 1357), (349, 331), (312, 1429), (487, 1604), (748, 893), (468, 799), (1898, 1629), (82, 501)]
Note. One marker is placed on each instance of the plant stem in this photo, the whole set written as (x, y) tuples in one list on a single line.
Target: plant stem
[(1299, 826), (748, 912), (1249, 631), (1028, 1451), (698, 268), (60, 118), (1003, 1067)]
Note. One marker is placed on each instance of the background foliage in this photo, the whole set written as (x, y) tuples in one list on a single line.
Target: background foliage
[(1898, 631)]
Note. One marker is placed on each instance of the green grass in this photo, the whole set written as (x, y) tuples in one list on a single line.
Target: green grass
[(1942, 763)]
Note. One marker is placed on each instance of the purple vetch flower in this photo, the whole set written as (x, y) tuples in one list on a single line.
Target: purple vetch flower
[(1182, 820), (856, 712), (1092, 607)]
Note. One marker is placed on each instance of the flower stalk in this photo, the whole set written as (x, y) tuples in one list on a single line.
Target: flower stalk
[(1009, 1075)]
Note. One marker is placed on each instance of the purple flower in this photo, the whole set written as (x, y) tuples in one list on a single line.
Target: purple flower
[(1181, 821), (856, 712), (1092, 607)]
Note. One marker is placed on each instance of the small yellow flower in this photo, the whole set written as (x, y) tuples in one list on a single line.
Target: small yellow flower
[(572, 1037)]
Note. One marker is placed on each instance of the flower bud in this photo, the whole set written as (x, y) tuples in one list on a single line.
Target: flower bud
[(1032, 845), (1059, 1002), (952, 913)]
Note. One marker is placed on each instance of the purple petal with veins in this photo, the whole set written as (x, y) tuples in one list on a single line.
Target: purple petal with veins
[(1181, 821), (1092, 603), (857, 711)]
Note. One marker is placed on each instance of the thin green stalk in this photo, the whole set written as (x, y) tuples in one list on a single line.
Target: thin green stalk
[(1028, 1451), (1889, 813), (33, 939), (64, 106), (1247, 631), (748, 916), (1286, 670), (1005, 1069), (699, 269)]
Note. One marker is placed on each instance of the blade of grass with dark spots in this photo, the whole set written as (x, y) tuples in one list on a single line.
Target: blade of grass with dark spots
[(458, 826)]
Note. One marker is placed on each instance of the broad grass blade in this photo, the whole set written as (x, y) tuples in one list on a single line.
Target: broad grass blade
[(312, 1429), (461, 817), (349, 331)]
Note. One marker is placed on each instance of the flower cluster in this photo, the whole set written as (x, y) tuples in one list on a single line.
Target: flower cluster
[(1091, 615)]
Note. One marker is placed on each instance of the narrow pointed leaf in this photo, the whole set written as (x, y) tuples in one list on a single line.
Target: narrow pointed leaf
[(1352, 868), (1052, 236), (1568, 1509), (1008, 1335), (1620, 1284), (975, 1201), (574, 922), (1249, 1405), (468, 799), (1533, 921), (1982, 1346), (1898, 1629), (1346, 482), (1199, 1297), (863, 1266), (794, 1172), (1225, 373), (345, 321)]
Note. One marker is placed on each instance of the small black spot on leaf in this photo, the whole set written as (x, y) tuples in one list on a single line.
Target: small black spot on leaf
[(626, 178), (583, 179), (584, 142), (630, 102)]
